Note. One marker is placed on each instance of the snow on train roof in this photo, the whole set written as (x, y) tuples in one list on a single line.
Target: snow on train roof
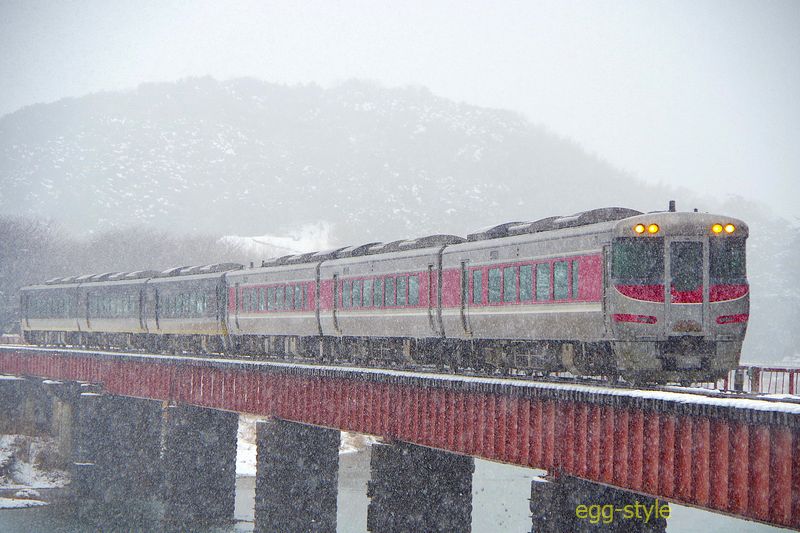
[(594, 216), (584, 218), (143, 274)]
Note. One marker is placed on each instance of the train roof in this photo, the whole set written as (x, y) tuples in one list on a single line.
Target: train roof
[(506, 229), (145, 274), (583, 218)]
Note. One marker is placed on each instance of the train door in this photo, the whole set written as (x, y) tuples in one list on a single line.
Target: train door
[(431, 299), (142, 308), (335, 305), (157, 307), (87, 310), (465, 300), (606, 284), (237, 304), (686, 289)]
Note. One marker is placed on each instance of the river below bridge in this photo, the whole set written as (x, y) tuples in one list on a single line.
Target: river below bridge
[(500, 503)]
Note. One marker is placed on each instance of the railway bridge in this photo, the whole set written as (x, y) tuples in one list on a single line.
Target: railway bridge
[(723, 453)]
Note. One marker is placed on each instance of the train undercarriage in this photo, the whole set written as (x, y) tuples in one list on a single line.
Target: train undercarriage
[(682, 360)]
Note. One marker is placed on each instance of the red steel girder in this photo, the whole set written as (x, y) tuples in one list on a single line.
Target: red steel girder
[(740, 457)]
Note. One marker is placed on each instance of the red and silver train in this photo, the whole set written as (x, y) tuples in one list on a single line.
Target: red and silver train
[(660, 296)]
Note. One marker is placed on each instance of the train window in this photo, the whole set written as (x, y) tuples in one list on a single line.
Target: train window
[(298, 297), (727, 260), (346, 289), (494, 285), (413, 290), (560, 280), (279, 298), (510, 284), (367, 296), (686, 265), (575, 291), (526, 283), (305, 296), (270, 298), (377, 295), (357, 284), (543, 281), (638, 261), (402, 290), (390, 299), (477, 286), (289, 300)]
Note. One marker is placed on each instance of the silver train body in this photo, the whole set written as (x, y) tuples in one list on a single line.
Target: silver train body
[(653, 297)]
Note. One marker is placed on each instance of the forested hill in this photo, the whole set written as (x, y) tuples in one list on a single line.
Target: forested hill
[(249, 157)]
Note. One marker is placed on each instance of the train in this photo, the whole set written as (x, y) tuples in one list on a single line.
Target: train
[(648, 297)]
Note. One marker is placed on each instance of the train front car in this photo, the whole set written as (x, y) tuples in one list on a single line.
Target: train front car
[(677, 296)]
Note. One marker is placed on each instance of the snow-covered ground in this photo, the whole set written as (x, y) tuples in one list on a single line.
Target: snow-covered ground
[(20, 468), (20, 460), (17, 503)]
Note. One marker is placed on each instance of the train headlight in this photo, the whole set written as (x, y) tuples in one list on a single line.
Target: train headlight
[(730, 228), (639, 228), (652, 229), (716, 228)]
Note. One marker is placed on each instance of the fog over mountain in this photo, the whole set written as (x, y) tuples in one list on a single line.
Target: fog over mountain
[(355, 163), (249, 157)]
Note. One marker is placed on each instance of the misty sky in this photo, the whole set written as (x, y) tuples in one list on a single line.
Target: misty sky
[(702, 94)]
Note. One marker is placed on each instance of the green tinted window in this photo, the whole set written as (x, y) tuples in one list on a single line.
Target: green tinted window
[(378, 292), (686, 265), (413, 290), (638, 260), (494, 285), (402, 287), (288, 301), (477, 286), (357, 293), (389, 292), (561, 280), (279, 298), (298, 297), (543, 281), (346, 290), (271, 298), (510, 284), (727, 260), (526, 283), (367, 296)]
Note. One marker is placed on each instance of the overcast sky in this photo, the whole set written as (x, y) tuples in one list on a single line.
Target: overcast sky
[(703, 94)]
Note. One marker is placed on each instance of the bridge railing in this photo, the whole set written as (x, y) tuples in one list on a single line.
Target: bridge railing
[(760, 379)]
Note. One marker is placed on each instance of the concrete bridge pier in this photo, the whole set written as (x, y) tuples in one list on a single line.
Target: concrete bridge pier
[(296, 477), (117, 467), (24, 407), (63, 398), (566, 503), (11, 400), (199, 467), (419, 489)]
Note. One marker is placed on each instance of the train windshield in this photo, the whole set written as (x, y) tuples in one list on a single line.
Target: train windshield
[(727, 260), (638, 261)]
